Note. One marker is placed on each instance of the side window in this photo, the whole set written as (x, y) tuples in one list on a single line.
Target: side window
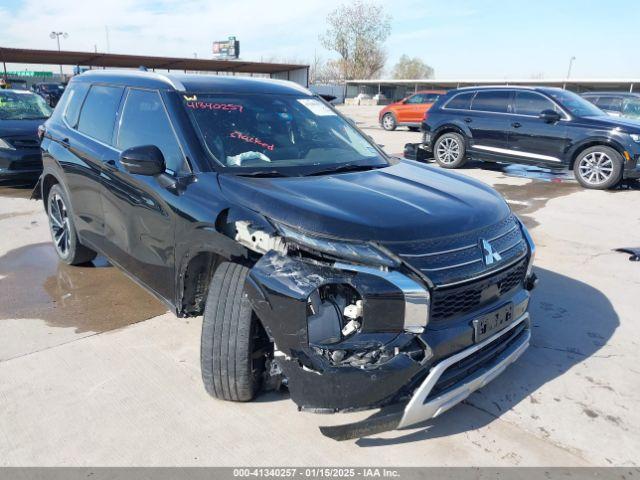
[(610, 103), (145, 122), (415, 99), (74, 97), (98, 114), (492, 101), (430, 97), (462, 101), (527, 103)]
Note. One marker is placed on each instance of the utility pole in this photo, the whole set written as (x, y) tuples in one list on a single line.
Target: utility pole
[(57, 36), (106, 32), (570, 65)]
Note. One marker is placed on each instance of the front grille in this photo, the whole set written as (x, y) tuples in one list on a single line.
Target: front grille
[(450, 302), (24, 142), (484, 357)]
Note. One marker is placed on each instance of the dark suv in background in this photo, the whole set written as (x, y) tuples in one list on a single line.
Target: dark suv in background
[(361, 280), (549, 127)]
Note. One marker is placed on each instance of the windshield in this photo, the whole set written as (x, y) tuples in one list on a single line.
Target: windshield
[(575, 104), (281, 133), (19, 105), (52, 87), (631, 108)]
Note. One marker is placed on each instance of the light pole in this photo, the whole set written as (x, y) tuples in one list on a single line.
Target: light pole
[(570, 65), (57, 36)]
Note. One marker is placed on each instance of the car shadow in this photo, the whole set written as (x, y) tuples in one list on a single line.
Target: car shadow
[(16, 188), (571, 321)]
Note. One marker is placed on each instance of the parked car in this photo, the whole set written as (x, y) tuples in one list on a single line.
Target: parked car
[(361, 280), (550, 127), (618, 104), (409, 111), (21, 112), (51, 92)]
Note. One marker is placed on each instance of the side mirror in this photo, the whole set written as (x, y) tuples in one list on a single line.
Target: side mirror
[(144, 160), (549, 116)]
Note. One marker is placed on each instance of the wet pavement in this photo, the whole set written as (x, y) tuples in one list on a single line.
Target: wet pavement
[(91, 298)]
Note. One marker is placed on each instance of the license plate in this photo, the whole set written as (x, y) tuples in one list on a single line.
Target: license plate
[(490, 323)]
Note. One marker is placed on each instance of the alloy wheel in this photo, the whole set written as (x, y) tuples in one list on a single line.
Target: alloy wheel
[(595, 168), (59, 224), (448, 150), (387, 122)]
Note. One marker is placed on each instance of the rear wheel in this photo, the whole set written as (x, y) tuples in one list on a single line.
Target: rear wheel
[(598, 167), (449, 150), (389, 122), (234, 346), (63, 230)]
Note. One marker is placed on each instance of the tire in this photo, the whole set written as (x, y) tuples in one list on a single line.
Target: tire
[(388, 122), (449, 150), (232, 338), (598, 168), (414, 129), (63, 231)]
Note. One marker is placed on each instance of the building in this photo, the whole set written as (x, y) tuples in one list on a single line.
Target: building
[(397, 89)]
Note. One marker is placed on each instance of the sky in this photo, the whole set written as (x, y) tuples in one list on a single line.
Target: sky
[(460, 39)]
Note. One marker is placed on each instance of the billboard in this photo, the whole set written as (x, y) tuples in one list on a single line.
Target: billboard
[(226, 49)]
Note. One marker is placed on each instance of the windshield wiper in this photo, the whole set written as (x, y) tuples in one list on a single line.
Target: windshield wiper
[(347, 167), (261, 173)]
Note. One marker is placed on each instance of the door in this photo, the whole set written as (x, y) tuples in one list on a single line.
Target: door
[(489, 121), (138, 209), (82, 150), (532, 139)]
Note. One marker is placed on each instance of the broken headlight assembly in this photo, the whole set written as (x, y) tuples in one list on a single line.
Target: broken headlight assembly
[(359, 252)]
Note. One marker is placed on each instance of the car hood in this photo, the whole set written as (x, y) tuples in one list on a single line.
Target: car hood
[(20, 127), (402, 202), (626, 124)]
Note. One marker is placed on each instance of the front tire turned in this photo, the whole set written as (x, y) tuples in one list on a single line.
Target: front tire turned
[(233, 347)]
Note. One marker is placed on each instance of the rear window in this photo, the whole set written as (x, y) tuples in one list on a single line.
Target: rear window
[(462, 101), (98, 114), (493, 101)]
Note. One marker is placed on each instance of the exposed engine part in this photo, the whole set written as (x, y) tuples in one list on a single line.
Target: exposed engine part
[(350, 328), (353, 311), (258, 240)]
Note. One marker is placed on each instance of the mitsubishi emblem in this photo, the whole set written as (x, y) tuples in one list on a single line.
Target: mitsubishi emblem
[(489, 254)]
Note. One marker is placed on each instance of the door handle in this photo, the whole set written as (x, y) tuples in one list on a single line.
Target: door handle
[(468, 120), (516, 124), (110, 165)]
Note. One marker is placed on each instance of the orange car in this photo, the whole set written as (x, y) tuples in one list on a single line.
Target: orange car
[(409, 111)]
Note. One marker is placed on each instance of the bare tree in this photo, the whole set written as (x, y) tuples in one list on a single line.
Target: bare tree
[(357, 31), (411, 68)]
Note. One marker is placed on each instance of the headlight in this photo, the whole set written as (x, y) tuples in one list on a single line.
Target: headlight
[(359, 252), (4, 144), (635, 137), (532, 248)]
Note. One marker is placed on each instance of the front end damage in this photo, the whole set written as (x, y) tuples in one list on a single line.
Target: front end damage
[(352, 335)]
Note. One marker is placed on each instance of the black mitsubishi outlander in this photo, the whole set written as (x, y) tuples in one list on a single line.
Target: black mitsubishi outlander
[(358, 280)]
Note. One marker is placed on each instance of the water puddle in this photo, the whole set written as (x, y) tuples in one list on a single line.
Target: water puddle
[(93, 298)]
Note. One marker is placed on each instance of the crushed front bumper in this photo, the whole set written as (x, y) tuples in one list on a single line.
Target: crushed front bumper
[(500, 350)]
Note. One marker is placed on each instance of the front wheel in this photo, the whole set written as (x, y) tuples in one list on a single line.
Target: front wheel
[(449, 150), (234, 346), (389, 122), (63, 231), (598, 168)]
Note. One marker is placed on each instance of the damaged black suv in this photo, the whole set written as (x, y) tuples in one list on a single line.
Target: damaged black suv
[(358, 280)]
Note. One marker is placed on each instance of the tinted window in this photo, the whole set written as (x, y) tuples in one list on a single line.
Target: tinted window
[(462, 101), (430, 97), (99, 112), (74, 96), (610, 103), (145, 122), (493, 101), (528, 103), (415, 99)]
